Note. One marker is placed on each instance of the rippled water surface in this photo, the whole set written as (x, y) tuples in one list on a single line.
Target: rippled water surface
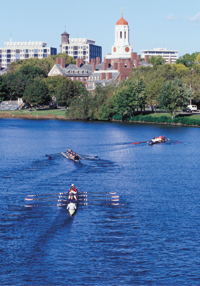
[(151, 238)]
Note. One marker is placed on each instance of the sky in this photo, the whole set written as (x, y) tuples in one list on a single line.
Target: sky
[(172, 24)]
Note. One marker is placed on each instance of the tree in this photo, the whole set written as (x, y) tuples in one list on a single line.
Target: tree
[(2, 90), (36, 93), (156, 60), (187, 59), (174, 96), (129, 97)]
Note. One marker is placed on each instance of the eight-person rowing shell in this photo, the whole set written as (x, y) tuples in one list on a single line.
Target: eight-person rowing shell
[(72, 202)]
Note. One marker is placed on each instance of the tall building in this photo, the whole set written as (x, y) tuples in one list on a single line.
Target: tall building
[(16, 51), (121, 48), (170, 56), (82, 48)]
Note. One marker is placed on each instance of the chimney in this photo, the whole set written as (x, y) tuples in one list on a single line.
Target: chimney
[(115, 65), (78, 62), (98, 60), (81, 62), (93, 67), (105, 66), (133, 56), (103, 76), (137, 63), (120, 67), (60, 61), (109, 75), (139, 57), (169, 61), (146, 58)]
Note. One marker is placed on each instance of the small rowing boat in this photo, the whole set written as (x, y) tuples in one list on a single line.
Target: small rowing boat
[(71, 155), (157, 140)]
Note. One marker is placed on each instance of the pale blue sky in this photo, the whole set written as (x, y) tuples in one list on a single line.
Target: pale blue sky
[(174, 24)]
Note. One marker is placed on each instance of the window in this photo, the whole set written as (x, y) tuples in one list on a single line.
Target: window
[(75, 48), (17, 51), (35, 51), (84, 52), (44, 55), (120, 35), (8, 60), (26, 51), (8, 56), (45, 51), (26, 56), (8, 51), (125, 35), (17, 56), (75, 53), (35, 55)]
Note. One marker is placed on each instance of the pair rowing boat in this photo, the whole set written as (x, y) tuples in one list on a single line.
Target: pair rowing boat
[(157, 140)]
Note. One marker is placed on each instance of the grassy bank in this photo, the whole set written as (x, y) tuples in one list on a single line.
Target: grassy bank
[(162, 118), (35, 114), (193, 120)]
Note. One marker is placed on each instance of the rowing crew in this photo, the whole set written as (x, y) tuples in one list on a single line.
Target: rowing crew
[(72, 204), (72, 154)]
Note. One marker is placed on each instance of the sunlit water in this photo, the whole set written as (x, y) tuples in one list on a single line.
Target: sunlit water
[(151, 238)]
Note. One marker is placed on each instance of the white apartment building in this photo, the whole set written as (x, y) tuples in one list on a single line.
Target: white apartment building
[(82, 48), (168, 55), (16, 51)]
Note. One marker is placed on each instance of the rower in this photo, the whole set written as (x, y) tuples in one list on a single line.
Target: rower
[(72, 199)]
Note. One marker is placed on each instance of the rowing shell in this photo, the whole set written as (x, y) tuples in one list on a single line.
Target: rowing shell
[(69, 157)]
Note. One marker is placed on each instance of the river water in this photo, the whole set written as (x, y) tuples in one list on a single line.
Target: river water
[(152, 237)]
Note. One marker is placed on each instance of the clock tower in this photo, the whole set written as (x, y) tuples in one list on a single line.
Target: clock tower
[(121, 48)]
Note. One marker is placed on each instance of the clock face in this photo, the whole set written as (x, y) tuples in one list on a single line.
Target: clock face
[(127, 49), (114, 49)]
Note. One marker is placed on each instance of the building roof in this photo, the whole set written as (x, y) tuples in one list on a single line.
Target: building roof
[(122, 21), (65, 33)]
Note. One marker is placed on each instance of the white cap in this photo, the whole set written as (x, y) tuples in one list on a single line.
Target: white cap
[(72, 185)]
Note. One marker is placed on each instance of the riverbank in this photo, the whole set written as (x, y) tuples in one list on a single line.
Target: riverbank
[(154, 118), (37, 114)]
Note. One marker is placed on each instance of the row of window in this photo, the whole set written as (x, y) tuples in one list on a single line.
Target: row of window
[(24, 51), (77, 71), (76, 47), (22, 56)]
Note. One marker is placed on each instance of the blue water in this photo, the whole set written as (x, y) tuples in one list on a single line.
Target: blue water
[(151, 238)]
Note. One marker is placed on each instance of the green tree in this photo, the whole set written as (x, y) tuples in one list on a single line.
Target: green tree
[(129, 97), (174, 96), (3, 91), (156, 60), (187, 59), (36, 93)]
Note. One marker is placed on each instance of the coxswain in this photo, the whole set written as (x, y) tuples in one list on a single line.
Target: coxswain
[(73, 190)]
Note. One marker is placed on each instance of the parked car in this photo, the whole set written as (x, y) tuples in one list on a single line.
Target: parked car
[(192, 107)]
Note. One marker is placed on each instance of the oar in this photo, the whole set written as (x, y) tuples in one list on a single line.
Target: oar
[(67, 193), (80, 204), (139, 142), (59, 197)]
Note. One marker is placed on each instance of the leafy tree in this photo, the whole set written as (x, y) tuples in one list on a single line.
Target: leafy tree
[(174, 96), (129, 97), (156, 60), (36, 93), (187, 59), (68, 59), (3, 91)]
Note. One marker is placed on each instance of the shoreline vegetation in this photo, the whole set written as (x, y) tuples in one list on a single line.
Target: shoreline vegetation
[(153, 118)]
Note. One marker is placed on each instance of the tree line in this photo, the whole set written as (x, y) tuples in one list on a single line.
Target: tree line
[(164, 86)]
